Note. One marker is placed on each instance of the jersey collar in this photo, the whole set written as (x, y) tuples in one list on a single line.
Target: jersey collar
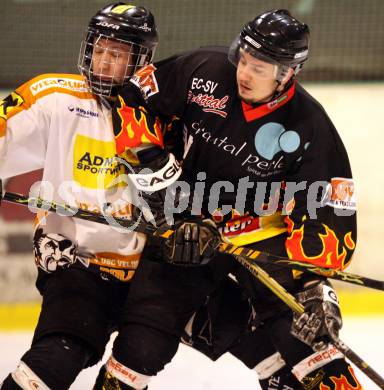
[(251, 113)]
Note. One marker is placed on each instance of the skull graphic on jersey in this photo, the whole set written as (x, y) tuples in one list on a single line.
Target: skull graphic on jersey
[(54, 251)]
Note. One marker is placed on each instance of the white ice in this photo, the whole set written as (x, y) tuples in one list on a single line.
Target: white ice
[(192, 371)]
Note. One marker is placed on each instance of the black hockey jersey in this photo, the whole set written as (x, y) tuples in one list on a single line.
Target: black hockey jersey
[(273, 169)]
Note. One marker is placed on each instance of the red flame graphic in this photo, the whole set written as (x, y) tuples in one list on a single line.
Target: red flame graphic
[(342, 383), (135, 129), (333, 254)]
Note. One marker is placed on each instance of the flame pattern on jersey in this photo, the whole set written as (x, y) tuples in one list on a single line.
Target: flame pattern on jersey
[(334, 254), (136, 129)]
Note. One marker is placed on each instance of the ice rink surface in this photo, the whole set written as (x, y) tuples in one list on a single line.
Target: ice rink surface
[(192, 371)]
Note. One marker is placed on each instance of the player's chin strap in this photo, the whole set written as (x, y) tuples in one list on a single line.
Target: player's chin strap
[(280, 73), (244, 256), (250, 255)]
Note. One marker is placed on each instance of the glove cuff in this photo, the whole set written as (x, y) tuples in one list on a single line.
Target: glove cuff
[(150, 181), (321, 291)]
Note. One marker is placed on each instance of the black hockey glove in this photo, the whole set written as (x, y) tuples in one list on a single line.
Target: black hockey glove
[(153, 177), (193, 243), (321, 321)]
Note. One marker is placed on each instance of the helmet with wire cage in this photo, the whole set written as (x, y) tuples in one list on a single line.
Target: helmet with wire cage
[(131, 27), (275, 37)]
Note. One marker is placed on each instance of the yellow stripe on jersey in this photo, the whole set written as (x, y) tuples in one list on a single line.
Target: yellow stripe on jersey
[(46, 84), (268, 226), (27, 94), (259, 235)]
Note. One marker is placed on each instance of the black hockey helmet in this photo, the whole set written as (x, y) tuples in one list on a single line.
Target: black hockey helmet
[(275, 37), (124, 23)]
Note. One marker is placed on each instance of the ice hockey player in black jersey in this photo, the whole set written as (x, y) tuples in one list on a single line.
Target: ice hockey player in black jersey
[(264, 162)]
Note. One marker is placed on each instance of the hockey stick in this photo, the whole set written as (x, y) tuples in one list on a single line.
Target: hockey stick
[(252, 256), (255, 256), (297, 307), (246, 258)]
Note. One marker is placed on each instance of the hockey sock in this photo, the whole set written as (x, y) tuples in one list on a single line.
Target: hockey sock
[(283, 379), (274, 374), (335, 375), (107, 381)]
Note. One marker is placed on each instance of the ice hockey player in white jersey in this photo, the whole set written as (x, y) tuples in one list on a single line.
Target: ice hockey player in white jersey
[(61, 123)]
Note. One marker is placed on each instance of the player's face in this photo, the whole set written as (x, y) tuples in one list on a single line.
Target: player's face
[(256, 79), (111, 60)]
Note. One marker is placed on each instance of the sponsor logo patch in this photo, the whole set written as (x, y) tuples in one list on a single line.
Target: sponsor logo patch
[(126, 375), (95, 163), (108, 25), (9, 104), (341, 194), (209, 103), (145, 27), (252, 42), (58, 82), (145, 80), (81, 112)]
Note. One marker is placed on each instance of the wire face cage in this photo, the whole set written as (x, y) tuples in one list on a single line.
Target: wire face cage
[(108, 63)]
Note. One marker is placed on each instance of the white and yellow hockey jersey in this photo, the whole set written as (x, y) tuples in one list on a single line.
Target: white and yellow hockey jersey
[(53, 122)]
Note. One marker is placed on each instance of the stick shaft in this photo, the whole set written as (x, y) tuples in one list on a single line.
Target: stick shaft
[(252, 255), (267, 258)]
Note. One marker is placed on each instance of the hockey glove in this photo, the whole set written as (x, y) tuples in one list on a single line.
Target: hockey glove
[(157, 171), (321, 321), (193, 243)]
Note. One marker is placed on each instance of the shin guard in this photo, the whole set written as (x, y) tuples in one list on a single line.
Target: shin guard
[(335, 375)]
